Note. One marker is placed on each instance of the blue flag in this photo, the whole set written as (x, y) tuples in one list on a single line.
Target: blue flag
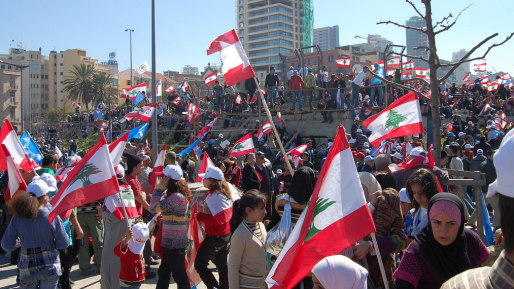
[(137, 132), (380, 72), (98, 114), (72, 153), (192, 146), (488, 230), (31, 148), (139, 97)]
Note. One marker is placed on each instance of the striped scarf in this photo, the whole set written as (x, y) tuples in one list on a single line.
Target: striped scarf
[(254, 228)]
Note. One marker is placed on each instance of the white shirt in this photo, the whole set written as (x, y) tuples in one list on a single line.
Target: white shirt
[(324, 76), (359, 78), (289, 74)]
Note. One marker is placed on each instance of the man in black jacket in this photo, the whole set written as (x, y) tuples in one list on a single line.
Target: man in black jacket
[(327, 106), (458, 125), (482, 145), (250, 177), (271, 83), (265, 172)]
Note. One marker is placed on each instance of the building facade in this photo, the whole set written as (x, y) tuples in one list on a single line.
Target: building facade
[(327, 37), (270, 28), (416, 39), (379, 42), (10, 94), (464, 68)]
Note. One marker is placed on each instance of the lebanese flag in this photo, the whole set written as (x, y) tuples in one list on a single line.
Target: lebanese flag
[(220, 207), (380, 64), (493, 86), (143, 113), (505, 76), (236, 66), (158, 167), (208, 126), (238, 99), (158, 89), (176, 101), (169, 88), (131, 92), (206, 164), (480, 67), (195, 234), (243, 146), (114, 203), (428, 94), (92, 179), (394, 62), (408, 66), (406, 76), (401, 118), (486, 106), (16, 183), (336, 218), (17, 153), (254, 97), (343, 62), (210, 79), (264, 130), (184, 86), (453, 105), (192, 110), (466, 78), (75, 105), (421, 72), (116, 149), (279, 116)]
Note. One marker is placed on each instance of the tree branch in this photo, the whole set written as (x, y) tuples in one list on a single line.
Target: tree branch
[(431, 49), (409, 56), (399, 85), (402, 26), (414, 6), (447, 27), (444, 19)]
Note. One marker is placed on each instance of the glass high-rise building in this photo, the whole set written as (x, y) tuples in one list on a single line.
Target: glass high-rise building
[(327, 37), (416, 39)]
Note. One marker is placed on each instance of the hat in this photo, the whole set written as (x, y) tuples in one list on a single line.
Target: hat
[(70, 140), (39, 187), (398, 156), (256, 120), (447, 147), (48, 179), (358, 154), (261, 139), (366, 97), (132, 160), (120, 172), (291, 67), (451, 134), (461, 134), (171, 171), (357, 118), (213, 173), (141, 235), (146, 158), (375, 64), (141, 153), (416, 135), (468, 146), (220, 135), (359, 130), (480, 152), (209, 142), (366, 145), (295, 72), (470, 122), (309, 69), (500, 134), (351, 140), (399, 148), (503, 165), (279, 172), (403, 196), (368, 158)]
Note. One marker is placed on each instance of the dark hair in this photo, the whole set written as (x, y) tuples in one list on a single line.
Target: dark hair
[(172, 156), (25, 205), (250, 199), (426, 180), (272, 68), (228, 164), (387, 180), (506, 219), (489, 153), (49, 158), (180, 187), (443, 154), (454, 148), (302, 185)]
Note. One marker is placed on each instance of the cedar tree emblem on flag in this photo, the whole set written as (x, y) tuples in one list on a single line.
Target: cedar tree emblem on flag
[(83, 176), (394, 119)]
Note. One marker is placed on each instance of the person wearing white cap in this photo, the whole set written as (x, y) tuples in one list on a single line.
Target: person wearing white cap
[(360, 139), (351, 142), (38, 262), (396, 158), (339, 272), (406, 203), (130, 253), (172, 198), (216, 215), (145, 173), (355, 126)]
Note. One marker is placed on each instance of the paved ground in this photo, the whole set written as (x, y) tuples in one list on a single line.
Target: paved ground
[(8, 277)]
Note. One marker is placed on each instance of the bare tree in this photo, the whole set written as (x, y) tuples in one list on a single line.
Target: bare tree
[(431, 30)]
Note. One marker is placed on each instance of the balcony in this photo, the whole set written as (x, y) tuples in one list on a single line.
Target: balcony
[(12, 87)]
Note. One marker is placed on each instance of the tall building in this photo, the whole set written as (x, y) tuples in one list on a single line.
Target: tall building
[(327, 38), (10, 95), (464, 68), (379, 42), (269, 27), (416, 39), (188, 69)]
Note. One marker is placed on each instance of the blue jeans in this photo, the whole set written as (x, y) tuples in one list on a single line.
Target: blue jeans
[(380, 90), (297, 94), (272, 95), (218, 100), (46, 280)]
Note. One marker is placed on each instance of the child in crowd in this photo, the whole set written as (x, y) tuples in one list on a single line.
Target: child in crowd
[(130, 252)]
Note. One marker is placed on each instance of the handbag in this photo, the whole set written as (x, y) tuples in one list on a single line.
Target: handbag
[(278, 236)]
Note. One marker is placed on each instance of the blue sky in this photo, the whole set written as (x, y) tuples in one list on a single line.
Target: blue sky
[(185, 28)]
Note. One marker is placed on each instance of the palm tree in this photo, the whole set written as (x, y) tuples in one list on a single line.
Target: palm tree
[(79, 86), (102, 83)]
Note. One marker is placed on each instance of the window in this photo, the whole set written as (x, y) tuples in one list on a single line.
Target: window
[(61, 73), (242, 39), (241, 1), (241, 8), (55, 64), (55, 73), (31, 56), (55, 56), (128, 82), (330, 58), (241, 16), (61, 64), (3, 66), (42, 67), (241, 24), (330, 69), (241, 32)]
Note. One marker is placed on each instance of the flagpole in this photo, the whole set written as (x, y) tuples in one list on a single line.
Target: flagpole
[(263, 101), (154, 97), (382, 270)]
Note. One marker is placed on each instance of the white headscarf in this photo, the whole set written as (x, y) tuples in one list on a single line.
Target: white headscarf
[(340, 272)]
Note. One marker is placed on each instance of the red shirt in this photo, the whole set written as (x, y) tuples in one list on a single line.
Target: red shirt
[(214, 226), (135, 185), (132, 265)]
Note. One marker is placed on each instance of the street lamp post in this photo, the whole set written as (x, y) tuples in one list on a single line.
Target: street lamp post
[(154, 97), (130, 32), (21, 67)]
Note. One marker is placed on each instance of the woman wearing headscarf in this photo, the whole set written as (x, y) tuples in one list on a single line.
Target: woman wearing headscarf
[(369, 183), (441, 250), (339, 272)]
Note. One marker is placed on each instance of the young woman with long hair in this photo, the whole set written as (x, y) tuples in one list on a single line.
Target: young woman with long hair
[(175, 221), (218, 212), (248, 259)]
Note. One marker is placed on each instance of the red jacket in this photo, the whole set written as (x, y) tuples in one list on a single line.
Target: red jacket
[(132, 265), (218, 226), (296, 82)]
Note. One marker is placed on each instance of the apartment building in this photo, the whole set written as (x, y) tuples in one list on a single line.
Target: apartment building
[(327, 37)]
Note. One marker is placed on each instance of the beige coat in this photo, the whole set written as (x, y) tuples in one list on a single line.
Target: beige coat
[(248, 263)]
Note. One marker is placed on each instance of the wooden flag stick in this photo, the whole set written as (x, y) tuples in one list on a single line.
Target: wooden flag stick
[(382, 270), (265, 104)]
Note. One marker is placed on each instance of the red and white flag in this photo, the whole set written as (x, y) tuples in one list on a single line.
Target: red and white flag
[(236, 66), (343, 62), (254, 97), (158, 89), (158, 167), (75, 105), (116, 149), (295, 154), (238, 99), (176, 101), (184, 86), (114, 203), (408, 66), (279, 116), (466, 78), (92, 179), (394, 62), (421, 72), (210, 79), (401, 118), (143, 113), (131, 92), (264, 130), (336, 218), (493, 86), (16, 183), (17, 153), (406, 76), (220, 207), (208, 127), (480, 67), (484, 110), (204, 166), (380, 63), (195, 234), (243, 146), (192, 110), (169, 88)]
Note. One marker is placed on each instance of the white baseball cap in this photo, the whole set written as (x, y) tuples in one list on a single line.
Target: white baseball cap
[(358, 130), (403, 196), (398, 156), (171, 171), (357, 118), (279, 171), (120, 172), (470, 122), (48, 179), (213, 173), (351, 140), (366, 145), (503, 163), (419, 151), (366, 97), (399, 148), (468, 146), (137, 242), (220, 135), (461, 134), (39, 187)]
